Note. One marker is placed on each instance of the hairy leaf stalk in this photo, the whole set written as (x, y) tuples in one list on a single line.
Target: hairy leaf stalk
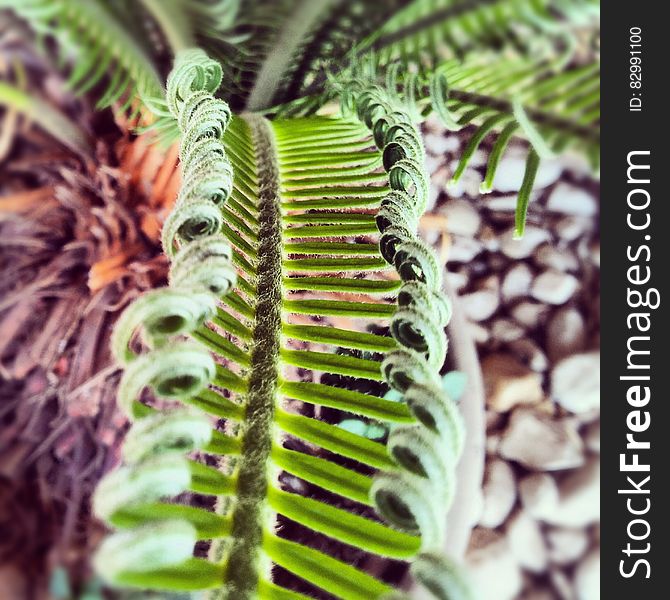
[(248, 515)]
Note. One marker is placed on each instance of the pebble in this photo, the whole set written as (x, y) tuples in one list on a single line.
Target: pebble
[(575, 382), (462, 217), (464, 249), (570, 200), (492, 567), (566, 333), (434, 192), (499, 493), (592, 437), (457, 279), (523, 247), (587, 577), (440, 144), (526, 542), (480, 304), (539, 494), (492, 443), (471, 182), (530, 353), (511, 169), (570, 228), (479, 334), (478, 159), (579, 501), (506, 203), (541, 443), (566, 545), (554, 287), (516, 282), (529, 314), (506, 330), (549, 256), (468, 183), (487, 236), (509, 383), (561, 584), (594, 253), (431, 162), (539, 594)]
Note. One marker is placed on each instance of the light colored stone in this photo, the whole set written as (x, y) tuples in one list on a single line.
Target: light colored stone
[(529, 314), (478, 159), (457, 279), (566, 545), (570, 200), (509, 383), (539, 494), (541, 443), (512, 167), (477, 332), (438, 144), (566, 333), (587, 577), (530, 353), (432, 163), (464, 249), (492, 567), (480, 304), (561, 584), (592, 437), (471, 182), (499, 492), (492, 443), (516, 282), (523, 247), (594, 253), (507, 203), (539, 594), (548, 256), (554, 287), (434, 192), (506, 330), (579, 497), (462, 217), (526, 542), (570, 228), (575, 382), (487, 236)]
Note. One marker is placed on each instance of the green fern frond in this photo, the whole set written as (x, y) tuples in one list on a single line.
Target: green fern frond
[(89, 30), (47, 117), (555, 110), (429, 31), (308, 213)]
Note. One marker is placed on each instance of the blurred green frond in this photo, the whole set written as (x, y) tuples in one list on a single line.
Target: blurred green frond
[(87, 31), (554, 109), (429, 31)]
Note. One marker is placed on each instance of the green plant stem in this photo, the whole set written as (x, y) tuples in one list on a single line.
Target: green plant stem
[(293, 34), (242, 575), (171, 21), (48, 118)]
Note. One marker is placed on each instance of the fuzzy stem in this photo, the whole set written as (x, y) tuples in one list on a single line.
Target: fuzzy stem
[(248, 515), (304, 16)]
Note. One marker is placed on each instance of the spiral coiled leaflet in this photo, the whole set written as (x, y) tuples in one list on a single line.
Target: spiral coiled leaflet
[(207, 175), (416, 496), (201, 272)]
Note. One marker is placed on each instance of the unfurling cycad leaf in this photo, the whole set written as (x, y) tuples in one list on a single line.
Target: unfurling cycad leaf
[(302, 283)]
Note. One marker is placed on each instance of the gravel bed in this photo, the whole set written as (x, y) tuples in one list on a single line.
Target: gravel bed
[(533, 309)]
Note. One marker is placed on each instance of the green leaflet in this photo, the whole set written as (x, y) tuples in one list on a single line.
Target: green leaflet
[(242, 193), (90, 28)]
